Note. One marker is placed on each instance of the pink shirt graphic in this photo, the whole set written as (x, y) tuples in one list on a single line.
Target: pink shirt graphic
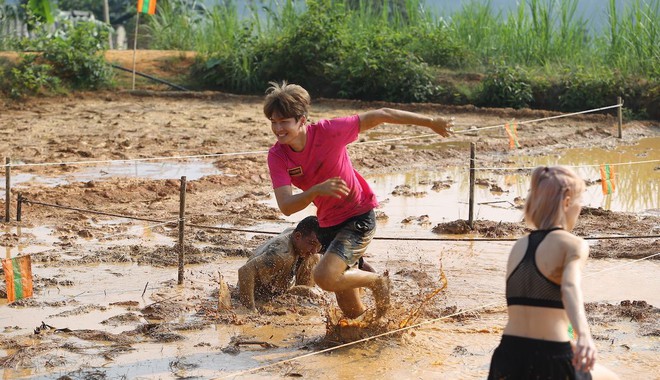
[(324, 156)]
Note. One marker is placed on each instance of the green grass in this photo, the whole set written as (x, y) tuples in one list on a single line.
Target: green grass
[(362, 49)]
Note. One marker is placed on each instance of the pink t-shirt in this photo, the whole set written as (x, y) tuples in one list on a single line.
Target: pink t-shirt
[(324, 156)]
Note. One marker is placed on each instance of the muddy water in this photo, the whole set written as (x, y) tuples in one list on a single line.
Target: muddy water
[(441, 349), (193, 169), (638, 185), (497, 197)]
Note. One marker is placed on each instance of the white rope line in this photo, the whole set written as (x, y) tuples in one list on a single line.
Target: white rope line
[(569, 166), (354, 342), (622, 265), (265, 151), (174, 158), (406, 328), (489, 127)]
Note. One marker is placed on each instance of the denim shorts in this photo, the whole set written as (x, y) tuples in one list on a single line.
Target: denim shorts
[(349, 240)]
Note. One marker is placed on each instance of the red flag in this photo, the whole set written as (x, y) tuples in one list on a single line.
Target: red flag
[(18, 276), (147, 6)]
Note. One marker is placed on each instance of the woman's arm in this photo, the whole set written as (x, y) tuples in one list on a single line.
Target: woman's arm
[(290, 203), (371, 119), (571, 289)]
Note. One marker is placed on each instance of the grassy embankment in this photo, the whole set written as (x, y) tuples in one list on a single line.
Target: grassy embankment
[(541, 56)]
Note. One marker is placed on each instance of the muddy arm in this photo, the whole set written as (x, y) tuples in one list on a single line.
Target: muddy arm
[(304, 274), (246, 282)]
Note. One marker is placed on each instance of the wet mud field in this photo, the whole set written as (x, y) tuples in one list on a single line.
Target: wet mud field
[(107, 304)]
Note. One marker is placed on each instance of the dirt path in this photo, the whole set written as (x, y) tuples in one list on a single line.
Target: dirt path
[(90, 277)]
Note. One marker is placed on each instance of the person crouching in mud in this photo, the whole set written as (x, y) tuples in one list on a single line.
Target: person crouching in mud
[(271, 269), (313, 157)]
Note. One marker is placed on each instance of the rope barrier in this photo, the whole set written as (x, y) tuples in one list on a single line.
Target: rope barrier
[(357, 341), (570, 166), (265, 151), (94, 212), (247, 230), (175, 158), (376, 238)]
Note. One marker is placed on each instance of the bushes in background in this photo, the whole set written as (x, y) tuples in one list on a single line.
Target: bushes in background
[(69, 59)]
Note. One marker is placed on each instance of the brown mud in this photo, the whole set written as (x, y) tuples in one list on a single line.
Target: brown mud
[(428, 283)]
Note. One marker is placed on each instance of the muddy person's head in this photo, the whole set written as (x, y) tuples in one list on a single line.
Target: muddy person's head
[(305, 236), (554, 198), (286, 101)]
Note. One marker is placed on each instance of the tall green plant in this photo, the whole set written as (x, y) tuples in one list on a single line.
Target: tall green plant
[(174, 25), (633, 40), (42, 10)]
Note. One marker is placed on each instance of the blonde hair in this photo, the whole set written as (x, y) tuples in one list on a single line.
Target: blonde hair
[(289, 100), (549, 187)]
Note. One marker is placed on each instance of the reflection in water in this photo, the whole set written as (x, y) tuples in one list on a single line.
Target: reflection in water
[(474, 273), (638, 188), (638, 185), (25, 241)]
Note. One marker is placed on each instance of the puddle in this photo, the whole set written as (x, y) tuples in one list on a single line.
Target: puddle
[(638, 189), (638, 185), (39, 239), (192, 169), (28, 240), (446, 349), (474, 271)]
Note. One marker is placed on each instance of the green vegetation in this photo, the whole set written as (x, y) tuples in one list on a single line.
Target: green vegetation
[(541, 55), (69, 59)]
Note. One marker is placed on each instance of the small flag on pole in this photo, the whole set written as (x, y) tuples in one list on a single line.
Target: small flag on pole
[(607, 178), (512, 132), (18, 276), (147, 6)]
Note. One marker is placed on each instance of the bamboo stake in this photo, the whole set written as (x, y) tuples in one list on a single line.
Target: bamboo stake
[(19, 207), (471, 212), (7, 188), (182, 208), (620, 114), (137, 23)]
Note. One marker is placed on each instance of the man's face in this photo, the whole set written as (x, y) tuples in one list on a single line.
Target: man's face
[(307, 245), (286, 129)]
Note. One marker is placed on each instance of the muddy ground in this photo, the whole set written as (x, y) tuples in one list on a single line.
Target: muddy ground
[(231, 132)]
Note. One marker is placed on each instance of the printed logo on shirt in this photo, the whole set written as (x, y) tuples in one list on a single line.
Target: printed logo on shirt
[(296, 172)]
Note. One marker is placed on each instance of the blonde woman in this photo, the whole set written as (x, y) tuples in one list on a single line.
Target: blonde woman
[(543, 290)]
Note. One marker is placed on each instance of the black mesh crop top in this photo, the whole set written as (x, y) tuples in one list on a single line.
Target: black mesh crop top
[(527, 285)]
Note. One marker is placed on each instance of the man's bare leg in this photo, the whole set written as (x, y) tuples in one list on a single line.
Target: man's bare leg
[(350, 303), (331, 275)]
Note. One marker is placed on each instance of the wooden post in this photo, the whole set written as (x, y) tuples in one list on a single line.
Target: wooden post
[(137, 23), (106, 18), (620, 113), (182, 209), (7, 188), (471, 212), (19, 206)]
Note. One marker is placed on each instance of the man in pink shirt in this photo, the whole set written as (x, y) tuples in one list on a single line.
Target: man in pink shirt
[(313, 158)]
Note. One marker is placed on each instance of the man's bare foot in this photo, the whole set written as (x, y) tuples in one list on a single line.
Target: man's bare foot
[(381, 291)]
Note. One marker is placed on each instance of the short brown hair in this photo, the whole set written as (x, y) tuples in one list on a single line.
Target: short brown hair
[(548, 188), (289, 100)]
